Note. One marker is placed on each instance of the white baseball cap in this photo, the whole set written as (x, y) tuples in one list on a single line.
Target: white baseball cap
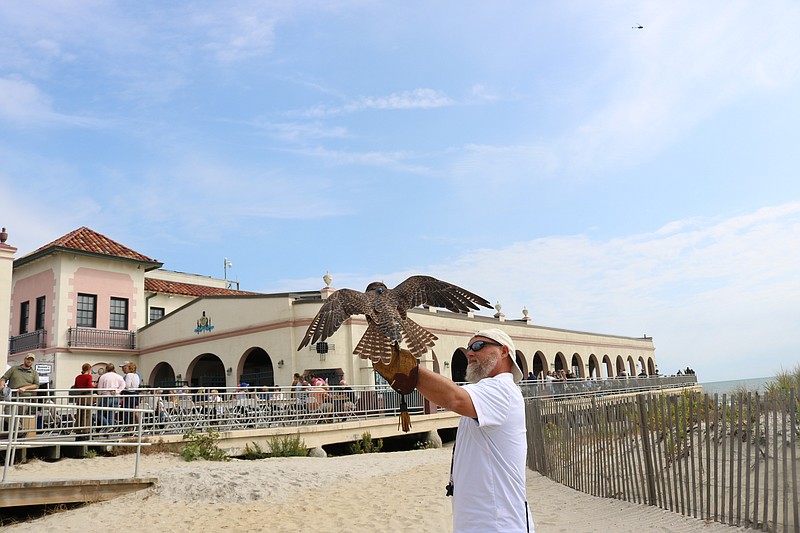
[(498, 335)]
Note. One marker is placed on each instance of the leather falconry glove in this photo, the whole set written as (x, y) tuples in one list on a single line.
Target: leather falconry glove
[(402, 374)]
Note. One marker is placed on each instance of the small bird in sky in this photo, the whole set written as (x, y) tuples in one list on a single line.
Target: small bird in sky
[(637, 27), (386, 312)]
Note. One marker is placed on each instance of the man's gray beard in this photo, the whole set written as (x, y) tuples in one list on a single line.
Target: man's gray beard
[(475, 373)]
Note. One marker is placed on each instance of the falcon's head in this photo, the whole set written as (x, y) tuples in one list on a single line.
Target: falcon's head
[(377, 286)]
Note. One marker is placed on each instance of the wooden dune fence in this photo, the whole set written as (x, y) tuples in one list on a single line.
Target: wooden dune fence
[(732, 459)]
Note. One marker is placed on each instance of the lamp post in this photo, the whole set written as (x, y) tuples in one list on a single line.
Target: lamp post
[(226, 264)]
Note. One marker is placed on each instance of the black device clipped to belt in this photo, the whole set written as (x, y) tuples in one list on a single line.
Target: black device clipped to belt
[(449, 487)]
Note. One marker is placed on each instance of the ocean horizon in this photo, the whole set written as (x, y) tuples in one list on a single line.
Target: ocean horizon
[(726, 387)]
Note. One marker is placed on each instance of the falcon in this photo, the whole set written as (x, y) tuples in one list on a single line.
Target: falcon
[(386, 313)]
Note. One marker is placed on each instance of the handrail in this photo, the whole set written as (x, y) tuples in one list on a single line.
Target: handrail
[(13, 441)]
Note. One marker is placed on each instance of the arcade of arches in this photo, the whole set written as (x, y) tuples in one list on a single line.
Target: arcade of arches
[(255, 367), (591, 367)]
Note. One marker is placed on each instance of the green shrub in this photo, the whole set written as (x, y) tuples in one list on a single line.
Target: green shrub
[(784, 380), (287, 446), (203, 446), (423, 445), (366, 444), (254, 453)]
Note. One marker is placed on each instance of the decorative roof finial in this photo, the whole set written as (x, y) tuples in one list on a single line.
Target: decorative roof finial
[(327, 290), (499, 315), (3, 236)]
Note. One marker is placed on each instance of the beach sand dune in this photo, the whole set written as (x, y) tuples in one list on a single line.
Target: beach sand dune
[(398, 492)]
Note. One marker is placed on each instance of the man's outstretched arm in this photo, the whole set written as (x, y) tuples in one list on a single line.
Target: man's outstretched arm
[(443, 391)]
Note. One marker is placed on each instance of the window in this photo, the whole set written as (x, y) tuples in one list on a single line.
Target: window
[(24, 313), (119, 313), (87, 310), (156, 313), (40, 301)]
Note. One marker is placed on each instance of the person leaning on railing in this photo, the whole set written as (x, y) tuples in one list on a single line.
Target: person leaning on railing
[(130, 393), (82, 389), (22, 378), (109, 386), (25, 380)]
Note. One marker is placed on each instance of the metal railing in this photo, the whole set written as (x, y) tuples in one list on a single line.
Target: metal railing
[(19, 421), (578, 387), (98, 416), (107, 338), (28, 341)]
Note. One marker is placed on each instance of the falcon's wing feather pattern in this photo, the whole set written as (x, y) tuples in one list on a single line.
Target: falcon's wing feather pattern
[(425, 290), (337, 308)]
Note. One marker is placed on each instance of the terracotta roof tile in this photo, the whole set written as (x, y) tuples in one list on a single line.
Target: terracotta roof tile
[(86, 240), (188, 289)]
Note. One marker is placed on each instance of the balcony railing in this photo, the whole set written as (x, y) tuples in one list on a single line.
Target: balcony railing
[(101, 338), (28, 341), (591, 387)]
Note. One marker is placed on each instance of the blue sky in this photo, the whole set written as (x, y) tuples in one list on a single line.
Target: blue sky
[(544, 155)]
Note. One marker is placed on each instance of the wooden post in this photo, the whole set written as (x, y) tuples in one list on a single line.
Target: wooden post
[(647, 452)]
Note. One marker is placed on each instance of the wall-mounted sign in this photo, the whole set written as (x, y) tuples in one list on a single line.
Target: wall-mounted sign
[(43, 368), (203, 324)]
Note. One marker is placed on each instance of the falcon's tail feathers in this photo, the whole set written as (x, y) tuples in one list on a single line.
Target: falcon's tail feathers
[(374, 345), (417, 338)]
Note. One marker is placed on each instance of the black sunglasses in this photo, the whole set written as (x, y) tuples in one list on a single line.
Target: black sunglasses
[(477, 346)]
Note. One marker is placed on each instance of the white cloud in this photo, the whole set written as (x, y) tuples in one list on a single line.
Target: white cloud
[(300, 132), (238, 36), (22, 103), (717, 295), (423, 98), (397, 161)]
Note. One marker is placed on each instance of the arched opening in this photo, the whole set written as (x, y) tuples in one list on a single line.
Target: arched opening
[(594, 369), (162, 376), (207, 371), (620, 366), (651, 366), (539, 365), (522, 364), (577, 367), (458, 366), (257, 369), (560, 362), (642, 367), (609, 366), (631, 366)]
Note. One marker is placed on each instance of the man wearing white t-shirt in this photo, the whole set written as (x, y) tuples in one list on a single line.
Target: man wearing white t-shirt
[(488, 471)]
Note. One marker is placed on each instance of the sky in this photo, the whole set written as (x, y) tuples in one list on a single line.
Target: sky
[(545, 155)]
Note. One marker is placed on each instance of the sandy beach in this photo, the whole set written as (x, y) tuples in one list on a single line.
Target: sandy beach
[(398, 492)]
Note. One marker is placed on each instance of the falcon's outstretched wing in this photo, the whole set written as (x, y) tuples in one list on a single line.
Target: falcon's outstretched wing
[(425, 290), (336, 309)]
